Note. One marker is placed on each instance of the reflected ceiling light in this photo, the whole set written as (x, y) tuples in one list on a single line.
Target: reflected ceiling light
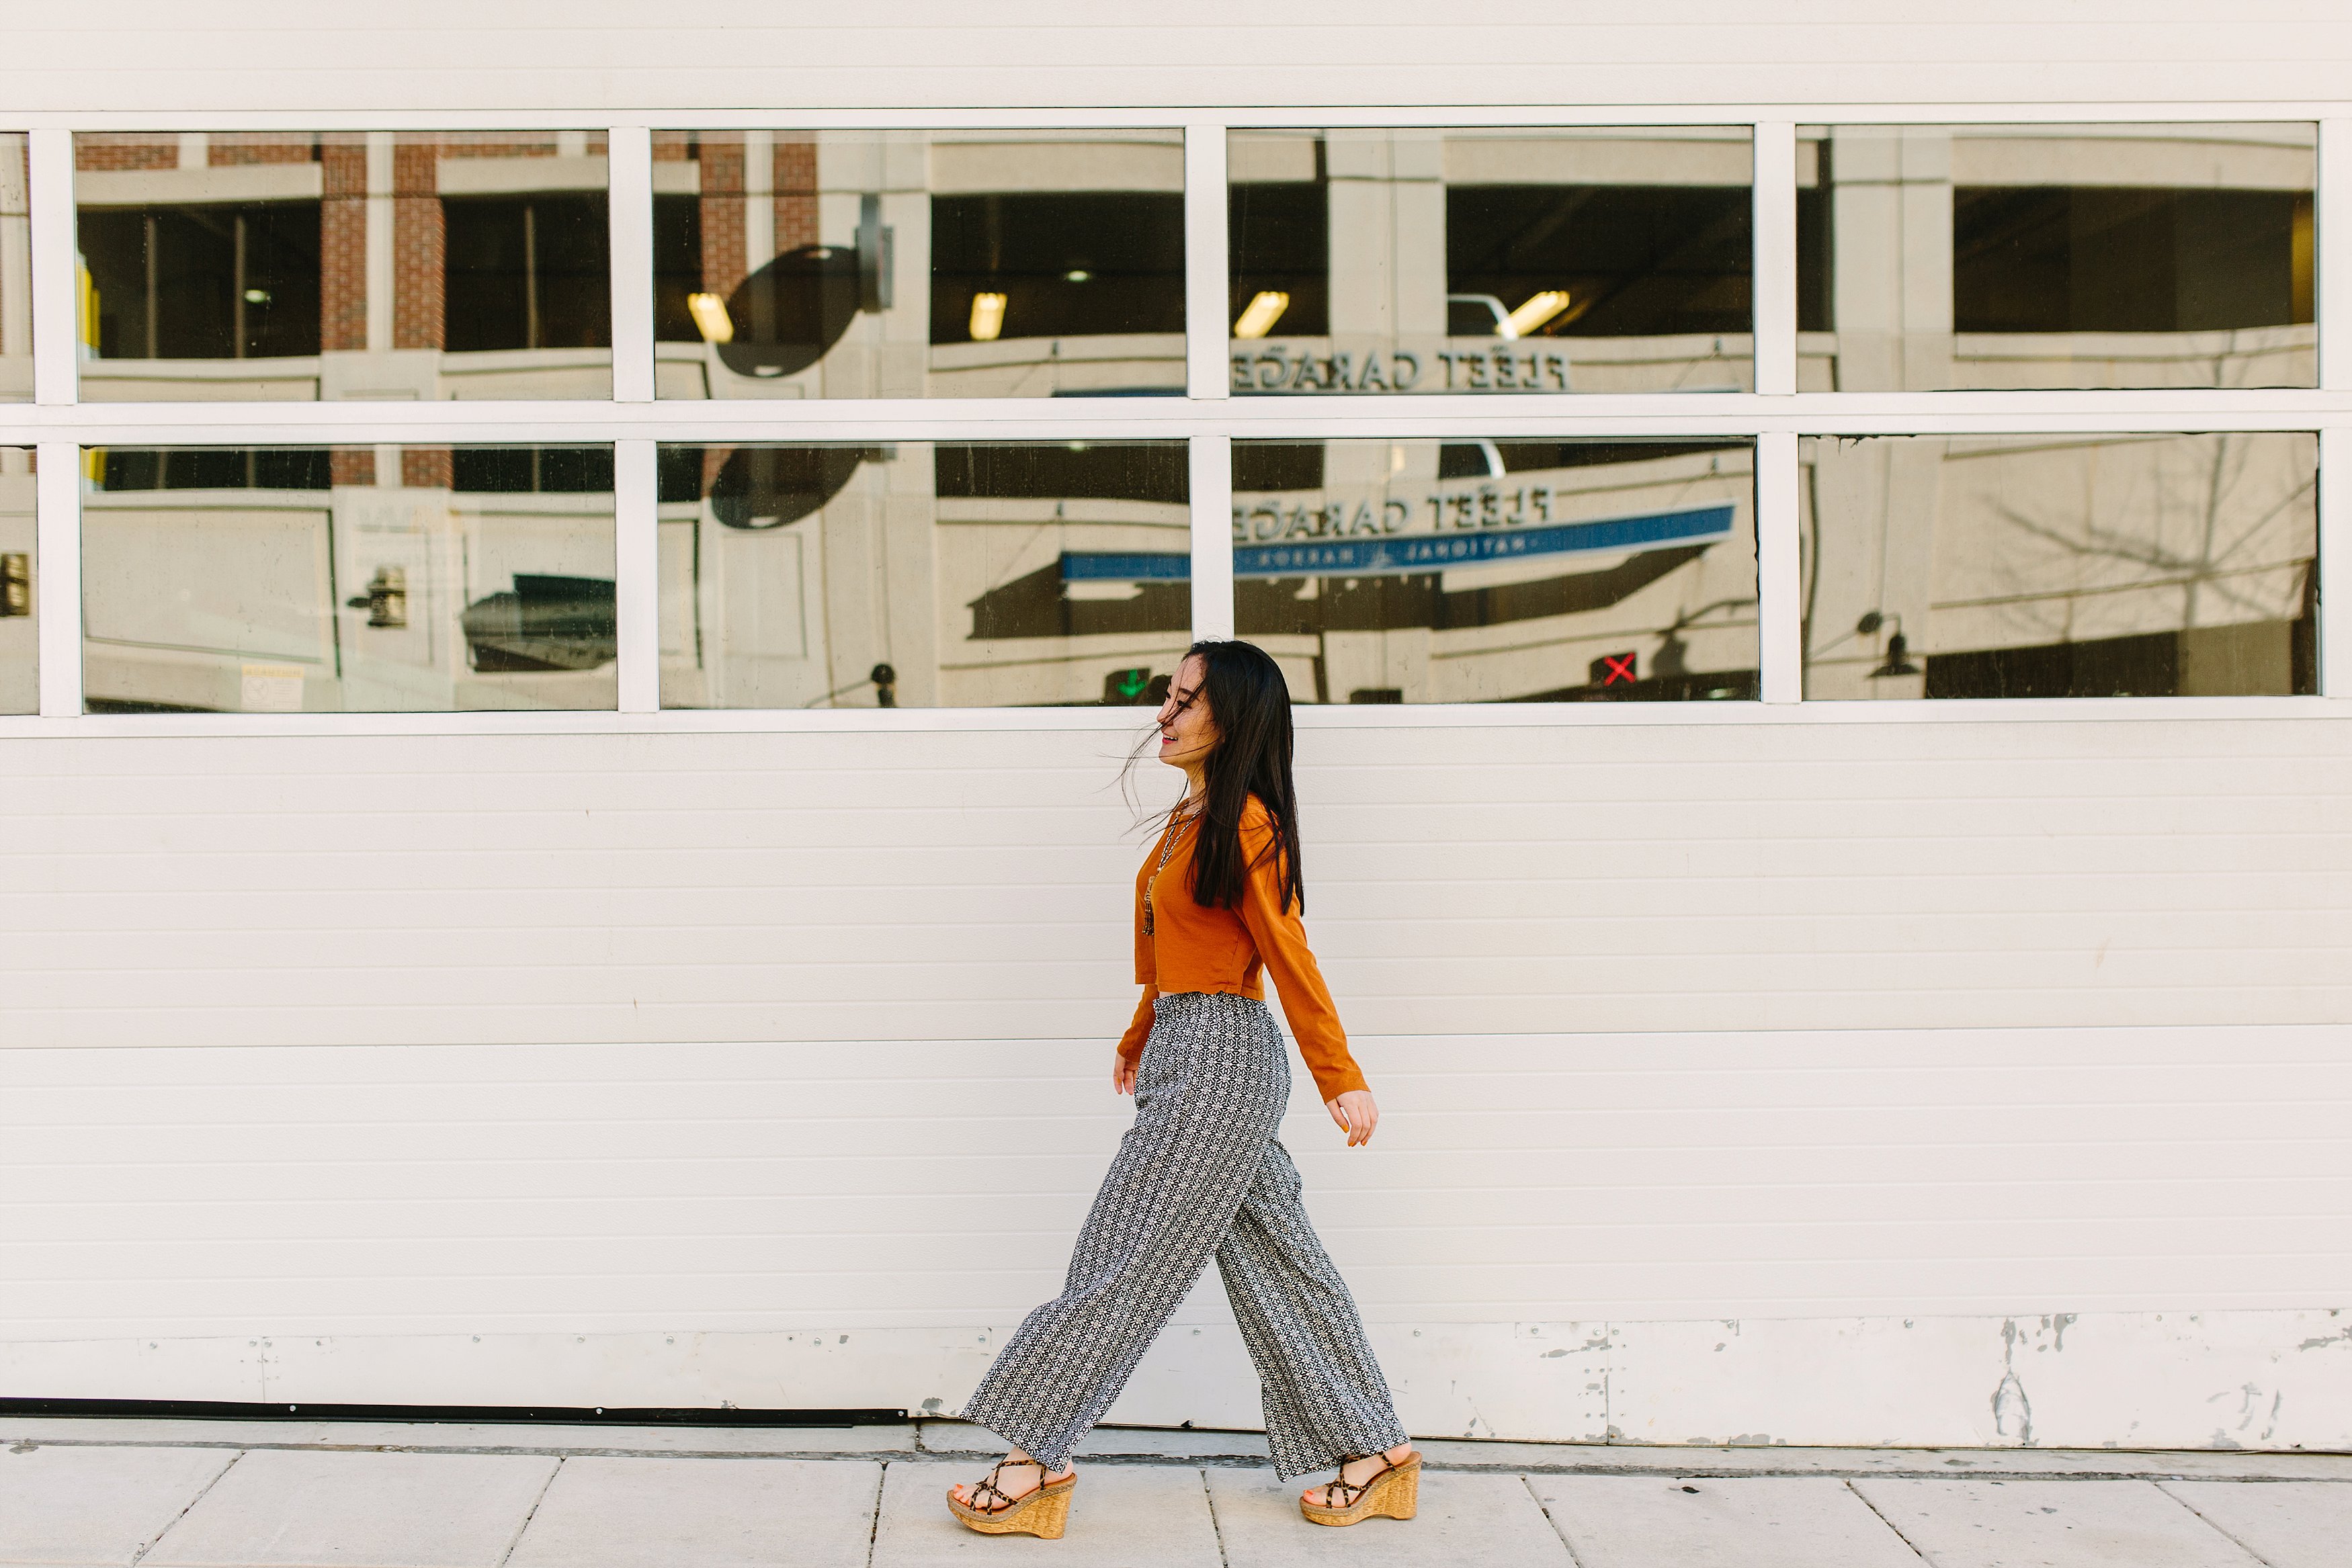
[(1077, 275), (1261, 313), (1532, 313), (987, 316), (711, 318)]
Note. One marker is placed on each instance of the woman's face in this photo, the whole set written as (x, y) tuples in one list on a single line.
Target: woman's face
[(1187, 732)]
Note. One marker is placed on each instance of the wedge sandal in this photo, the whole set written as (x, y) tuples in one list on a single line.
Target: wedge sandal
[(1044, 1513), (1393, 1492)]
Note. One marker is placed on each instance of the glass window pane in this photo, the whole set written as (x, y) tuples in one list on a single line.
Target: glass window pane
[(348, 265), (16, 271), (20, 641), (918, 263), (1491, 261), (921, 575), (1935, 256), (347, 580), (2059, 566), (1504, 571)]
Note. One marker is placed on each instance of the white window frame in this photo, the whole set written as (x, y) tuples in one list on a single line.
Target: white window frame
[(1775, 416)]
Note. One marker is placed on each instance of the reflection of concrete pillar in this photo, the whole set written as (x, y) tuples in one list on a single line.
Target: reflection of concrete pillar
[(381, 266), (857, 597), (758, 206), (420, 246), (15, 252), (343, 236), (1875, 506), (1891, 234), (1387, 198), (911, 545)]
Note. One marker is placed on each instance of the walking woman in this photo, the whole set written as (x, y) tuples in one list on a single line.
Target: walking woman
[(1200, 1173)]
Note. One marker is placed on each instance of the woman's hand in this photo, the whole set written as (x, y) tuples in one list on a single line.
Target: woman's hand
[(1356, 1113), (1122, 1074)]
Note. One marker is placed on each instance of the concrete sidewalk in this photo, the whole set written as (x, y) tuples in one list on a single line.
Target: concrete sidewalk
[(190, 1494)]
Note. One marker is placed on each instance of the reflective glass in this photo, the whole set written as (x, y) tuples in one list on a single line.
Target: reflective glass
[(1380, 262), (916, 575), (2058, 566), (1505, 571), (918, 263), (16, 271), (1935, 256), (20, 623), (347, 580), (350, 264)]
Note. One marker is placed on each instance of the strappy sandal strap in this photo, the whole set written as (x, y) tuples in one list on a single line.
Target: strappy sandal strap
[(1009, 1501), (1355, 1490), (1005, 1500)]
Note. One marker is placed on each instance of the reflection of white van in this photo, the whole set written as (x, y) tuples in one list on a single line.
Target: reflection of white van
[(291, 594)]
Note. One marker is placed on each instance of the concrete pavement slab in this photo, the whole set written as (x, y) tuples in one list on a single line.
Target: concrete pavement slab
[(95, 1506), (1749, 1521), (1491, 1521), (2287, 1524), (358, 1511), (708, 1513), (2050, 1524), (1125, 1516)]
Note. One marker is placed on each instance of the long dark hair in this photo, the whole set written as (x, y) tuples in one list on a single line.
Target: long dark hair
[(1249, 702)]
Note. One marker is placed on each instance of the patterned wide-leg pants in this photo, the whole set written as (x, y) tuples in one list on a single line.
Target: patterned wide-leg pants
[(1200, 1173)]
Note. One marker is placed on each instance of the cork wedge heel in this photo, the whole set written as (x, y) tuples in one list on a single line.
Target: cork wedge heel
[(1044, 1512), (1393, 1493)]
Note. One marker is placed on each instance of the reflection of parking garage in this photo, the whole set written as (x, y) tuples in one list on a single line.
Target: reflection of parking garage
[(1569, 570), (1491, 260), (910, 264), (919, 575)]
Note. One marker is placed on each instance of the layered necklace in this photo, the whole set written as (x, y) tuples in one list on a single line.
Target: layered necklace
[(1179, 818)]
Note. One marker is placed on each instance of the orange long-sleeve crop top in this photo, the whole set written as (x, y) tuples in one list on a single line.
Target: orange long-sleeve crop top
[(1227, 950)]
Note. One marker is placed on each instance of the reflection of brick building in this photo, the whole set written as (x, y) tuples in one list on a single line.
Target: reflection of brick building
[(729, 208), (214, 246)]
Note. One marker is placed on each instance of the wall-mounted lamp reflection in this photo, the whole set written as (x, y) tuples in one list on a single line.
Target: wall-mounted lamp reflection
[(987, 316), (385, 597), (1532, 313), (711, 318), (1261, 313), (1899, 647), (15, 583)]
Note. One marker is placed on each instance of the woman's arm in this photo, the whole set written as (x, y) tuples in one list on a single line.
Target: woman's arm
[(1281, 938), (1130, 1044)]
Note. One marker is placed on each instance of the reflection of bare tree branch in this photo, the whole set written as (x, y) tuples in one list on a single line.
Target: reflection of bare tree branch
[(2208, 571)]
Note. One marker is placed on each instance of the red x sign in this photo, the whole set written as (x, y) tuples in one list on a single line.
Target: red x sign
[(1613, 670)]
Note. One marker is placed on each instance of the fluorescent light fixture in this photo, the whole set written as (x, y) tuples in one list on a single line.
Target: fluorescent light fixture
[(1261, 313), (711, 318), (987, 316), (1537, 309)]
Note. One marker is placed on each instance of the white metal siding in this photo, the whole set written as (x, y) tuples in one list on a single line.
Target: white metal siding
[(728, 53), (613, 1035)]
